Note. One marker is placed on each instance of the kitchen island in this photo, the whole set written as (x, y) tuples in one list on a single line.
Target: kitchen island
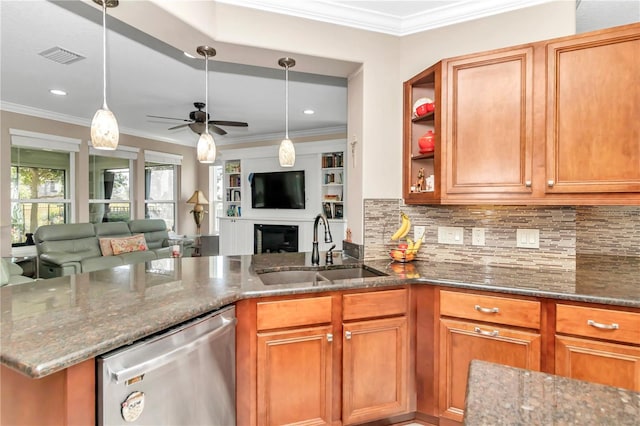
[(497, 394), (51, 325)]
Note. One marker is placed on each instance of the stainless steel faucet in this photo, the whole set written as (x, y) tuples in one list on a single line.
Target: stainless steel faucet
[(315, 254)]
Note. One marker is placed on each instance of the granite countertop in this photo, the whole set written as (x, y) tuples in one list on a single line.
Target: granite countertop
[(49, 325), (501, 395)]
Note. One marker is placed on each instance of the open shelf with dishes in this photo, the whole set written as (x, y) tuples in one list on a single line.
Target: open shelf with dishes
[(421, 145)]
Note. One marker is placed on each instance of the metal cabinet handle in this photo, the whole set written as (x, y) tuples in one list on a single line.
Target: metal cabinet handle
[(486, 310), (551, 182), (347, 335), (329, 337), (528, 184), (612, 326), (493, 333)]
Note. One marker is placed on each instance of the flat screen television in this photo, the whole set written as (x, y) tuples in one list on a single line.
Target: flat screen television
[(278, 190)]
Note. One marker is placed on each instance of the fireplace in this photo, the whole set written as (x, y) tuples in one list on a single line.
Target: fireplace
[(275, 238)]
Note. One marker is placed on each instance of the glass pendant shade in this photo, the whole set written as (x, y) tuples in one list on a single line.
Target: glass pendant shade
[(104, 130), (287, 153), (206, 148)]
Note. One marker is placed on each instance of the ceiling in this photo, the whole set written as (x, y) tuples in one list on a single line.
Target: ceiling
[(149, 77)]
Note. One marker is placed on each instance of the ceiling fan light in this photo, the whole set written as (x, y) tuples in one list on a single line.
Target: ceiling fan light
[(104, 130), (287, 153), (206, 148)]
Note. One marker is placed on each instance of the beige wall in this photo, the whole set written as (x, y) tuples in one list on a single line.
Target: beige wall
[(386, 62), (375, 113), (192, 173)]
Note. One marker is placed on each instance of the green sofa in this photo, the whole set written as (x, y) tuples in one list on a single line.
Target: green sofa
[(10, 273), (68, 249)]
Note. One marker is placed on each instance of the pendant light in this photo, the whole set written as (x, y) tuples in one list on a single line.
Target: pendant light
[(206, 145), (104, 126), (287, 152)]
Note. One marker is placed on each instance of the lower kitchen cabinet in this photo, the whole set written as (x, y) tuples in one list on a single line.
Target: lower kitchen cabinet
[(374, 369), (294, 376), (484, 330), (606, 349)]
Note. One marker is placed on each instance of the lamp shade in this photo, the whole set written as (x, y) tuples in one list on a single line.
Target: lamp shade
[(104, 130), (206, 148), (198, 198), (287, 153)]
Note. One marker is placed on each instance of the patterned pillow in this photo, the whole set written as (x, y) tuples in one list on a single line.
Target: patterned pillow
[(129, 244), (105, 246)]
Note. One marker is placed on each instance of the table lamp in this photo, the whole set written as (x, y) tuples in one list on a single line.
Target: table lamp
[(198, 211)]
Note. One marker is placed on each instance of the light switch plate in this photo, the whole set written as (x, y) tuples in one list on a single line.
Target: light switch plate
[(477, 236), (528, 238), (418, 231), (450, 235)]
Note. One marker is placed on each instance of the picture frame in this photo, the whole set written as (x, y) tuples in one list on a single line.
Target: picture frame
[(338, 211), (326, 207)]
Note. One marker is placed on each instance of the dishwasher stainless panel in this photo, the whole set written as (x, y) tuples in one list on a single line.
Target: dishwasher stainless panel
[(184, 376)]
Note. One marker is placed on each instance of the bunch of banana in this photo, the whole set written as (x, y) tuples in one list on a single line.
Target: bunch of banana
[(413, 247), (404, 228)]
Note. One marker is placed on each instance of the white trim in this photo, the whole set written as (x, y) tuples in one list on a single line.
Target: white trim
[(162, 157), (27, 139), (128, 152)]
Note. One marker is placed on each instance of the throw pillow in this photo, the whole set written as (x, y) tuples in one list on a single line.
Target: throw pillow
[(105, 247), (129, 244)]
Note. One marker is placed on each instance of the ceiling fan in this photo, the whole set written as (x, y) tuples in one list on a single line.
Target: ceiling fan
[(197, 120)]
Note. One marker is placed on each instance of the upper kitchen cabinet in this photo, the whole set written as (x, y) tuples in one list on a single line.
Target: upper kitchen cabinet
[(488, 124), (422, 151), (593, 112)]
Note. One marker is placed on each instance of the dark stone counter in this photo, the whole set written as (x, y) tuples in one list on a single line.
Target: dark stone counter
[(49, 325), (501, 395)]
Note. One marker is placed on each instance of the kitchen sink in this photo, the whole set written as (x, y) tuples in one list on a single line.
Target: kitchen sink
[(315, 276)]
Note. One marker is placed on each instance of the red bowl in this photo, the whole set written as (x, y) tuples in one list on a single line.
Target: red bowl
[(422, 110)]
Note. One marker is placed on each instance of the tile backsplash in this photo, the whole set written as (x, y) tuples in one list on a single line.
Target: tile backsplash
[(564, 232)]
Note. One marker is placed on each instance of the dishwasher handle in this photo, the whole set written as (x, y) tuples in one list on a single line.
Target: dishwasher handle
[(169, 356)]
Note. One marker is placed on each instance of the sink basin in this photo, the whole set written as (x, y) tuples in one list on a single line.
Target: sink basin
[(290, 277), (305, 276)]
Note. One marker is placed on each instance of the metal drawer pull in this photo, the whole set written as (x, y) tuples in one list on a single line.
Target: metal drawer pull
[(329, 337), (486, 310), (601, 326), (493, 333), (347, 335), (550, 183), (528, 184)]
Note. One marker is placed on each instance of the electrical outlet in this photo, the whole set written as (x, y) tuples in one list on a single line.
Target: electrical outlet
[(450, 235), (528, 238), (419, 231), (477, 236)]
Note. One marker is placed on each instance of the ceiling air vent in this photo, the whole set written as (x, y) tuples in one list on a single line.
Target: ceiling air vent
[(60, 55)]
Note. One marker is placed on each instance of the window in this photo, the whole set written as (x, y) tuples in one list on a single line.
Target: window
[(110, 178), (42, 179), (215, 177), (160, 186)]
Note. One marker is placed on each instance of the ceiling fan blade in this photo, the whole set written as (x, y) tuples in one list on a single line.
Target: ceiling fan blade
[(167, 118), (217, 130), (178, 126), (228, 123)]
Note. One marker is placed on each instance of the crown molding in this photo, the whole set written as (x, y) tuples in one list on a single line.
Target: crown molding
[(353, 16), (277, 137)]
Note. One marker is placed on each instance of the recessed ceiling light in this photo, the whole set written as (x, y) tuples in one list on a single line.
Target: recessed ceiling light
[(189, 55), (58, 92), (309, 111)]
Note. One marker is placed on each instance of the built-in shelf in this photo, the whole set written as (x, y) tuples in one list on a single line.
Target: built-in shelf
[(233, 188), (333, 180)]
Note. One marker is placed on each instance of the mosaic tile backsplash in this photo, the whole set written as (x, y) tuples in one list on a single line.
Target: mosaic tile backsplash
[(565, 231)]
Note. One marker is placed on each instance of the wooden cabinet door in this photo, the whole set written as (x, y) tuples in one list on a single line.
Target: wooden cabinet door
[(294, 377), (489, 123), (606, 363), (460, 342), (593, 130), (374, 369)]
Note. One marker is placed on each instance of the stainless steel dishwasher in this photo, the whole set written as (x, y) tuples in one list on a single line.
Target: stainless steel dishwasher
[(184, 376)]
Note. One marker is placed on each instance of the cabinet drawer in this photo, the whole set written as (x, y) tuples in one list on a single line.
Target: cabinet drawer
[(293, 313), (499, 310), (610, 324), (374, 304)]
